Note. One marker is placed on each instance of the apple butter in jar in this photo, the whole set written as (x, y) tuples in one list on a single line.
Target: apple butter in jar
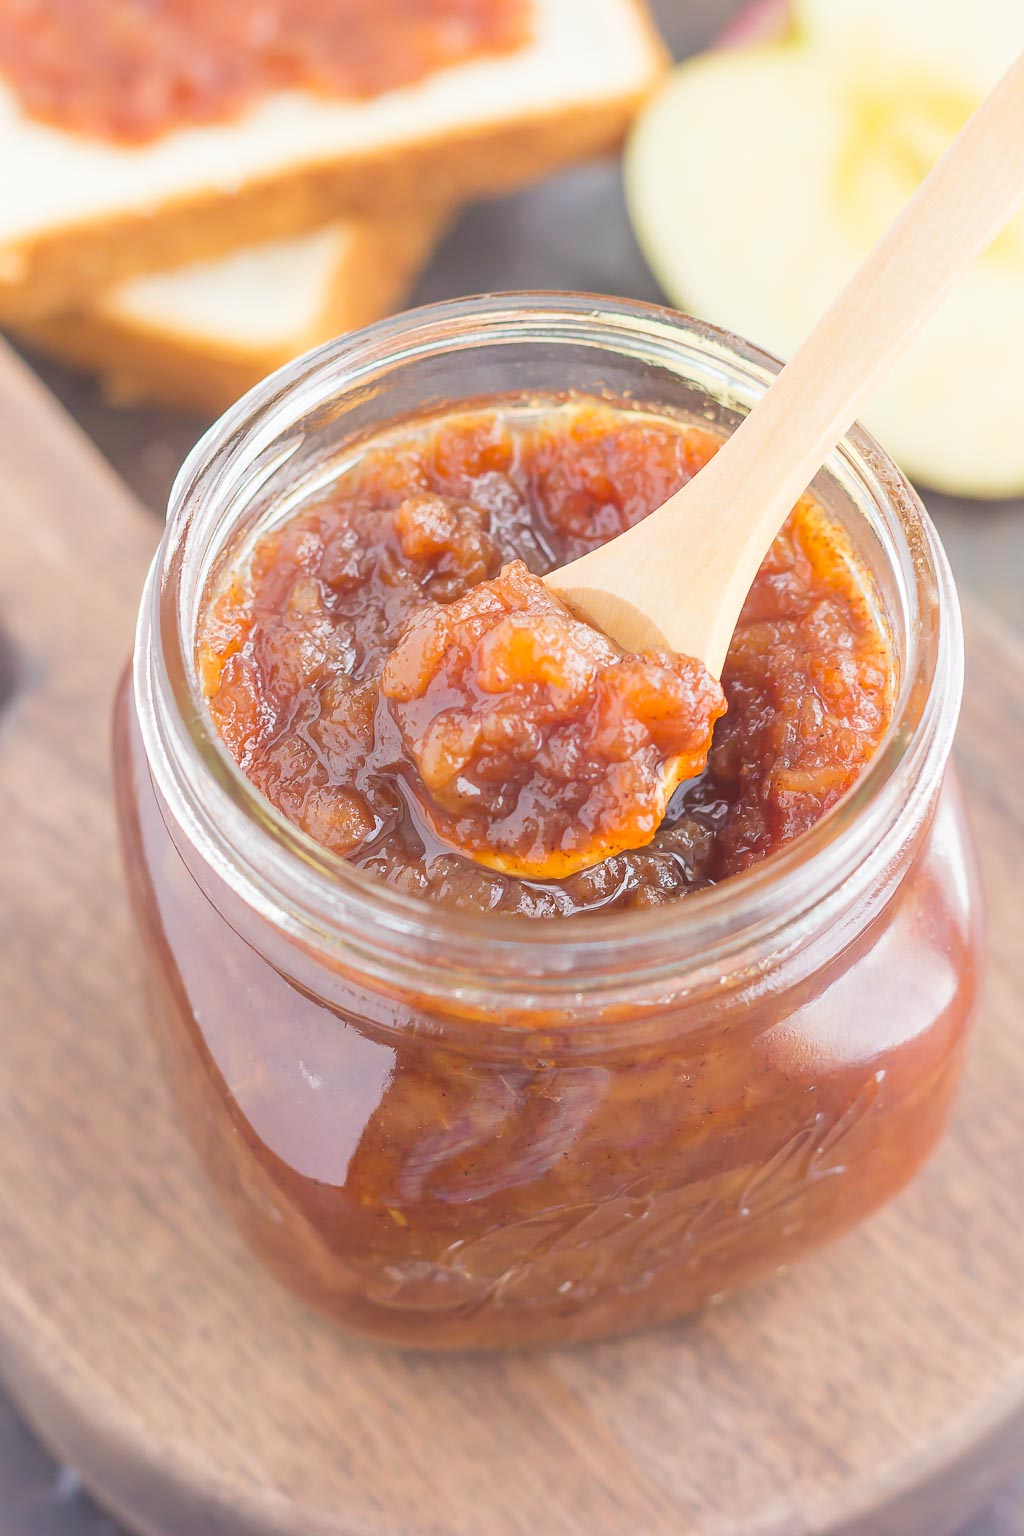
[(489, 1030)]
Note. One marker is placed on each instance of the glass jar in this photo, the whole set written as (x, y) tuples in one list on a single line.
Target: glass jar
[(454, 1130)]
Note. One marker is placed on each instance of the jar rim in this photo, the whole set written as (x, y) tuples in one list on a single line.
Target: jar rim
[(349, 916)]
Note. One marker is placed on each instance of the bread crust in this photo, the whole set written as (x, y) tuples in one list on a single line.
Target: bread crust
[(60, 269), (153, 364)]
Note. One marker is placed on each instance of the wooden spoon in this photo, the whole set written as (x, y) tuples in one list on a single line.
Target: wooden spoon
[(679, 578)]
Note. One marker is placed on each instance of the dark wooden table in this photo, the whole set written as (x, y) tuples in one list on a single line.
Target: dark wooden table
[(570, 233)]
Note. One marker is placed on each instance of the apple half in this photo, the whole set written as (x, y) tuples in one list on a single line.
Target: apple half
[(764, 171)]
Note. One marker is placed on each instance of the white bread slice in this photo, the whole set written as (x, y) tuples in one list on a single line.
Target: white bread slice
[(201, 335), (78, 213)]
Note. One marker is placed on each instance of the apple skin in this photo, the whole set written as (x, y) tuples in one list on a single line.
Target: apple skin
[(759, 21)]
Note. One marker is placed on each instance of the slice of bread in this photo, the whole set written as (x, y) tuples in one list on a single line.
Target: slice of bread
[(201, 335), (78, 214)]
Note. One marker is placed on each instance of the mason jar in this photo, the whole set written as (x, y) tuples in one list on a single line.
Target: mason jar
[(454, 1130)]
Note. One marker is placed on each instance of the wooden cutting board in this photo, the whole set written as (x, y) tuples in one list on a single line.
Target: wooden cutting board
[(878, 1388)]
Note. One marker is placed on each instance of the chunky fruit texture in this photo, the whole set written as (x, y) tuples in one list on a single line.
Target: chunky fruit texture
[(540, 745), (392, 692)]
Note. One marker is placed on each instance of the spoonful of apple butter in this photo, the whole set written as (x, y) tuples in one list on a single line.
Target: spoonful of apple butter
[(551, 720)]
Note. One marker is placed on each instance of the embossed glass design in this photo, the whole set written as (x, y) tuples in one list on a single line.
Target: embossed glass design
[(454, 1131)]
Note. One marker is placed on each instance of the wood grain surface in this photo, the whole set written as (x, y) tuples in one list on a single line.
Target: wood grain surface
[(879, 1388), (569, 233)]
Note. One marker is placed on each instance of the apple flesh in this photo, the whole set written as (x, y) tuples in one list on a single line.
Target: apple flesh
[(764, 171), (963, 46)]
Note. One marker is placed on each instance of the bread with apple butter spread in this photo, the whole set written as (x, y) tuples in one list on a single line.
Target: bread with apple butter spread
[(185, 131)]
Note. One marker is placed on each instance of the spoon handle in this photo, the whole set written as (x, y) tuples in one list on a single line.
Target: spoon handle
[(709, 539)]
